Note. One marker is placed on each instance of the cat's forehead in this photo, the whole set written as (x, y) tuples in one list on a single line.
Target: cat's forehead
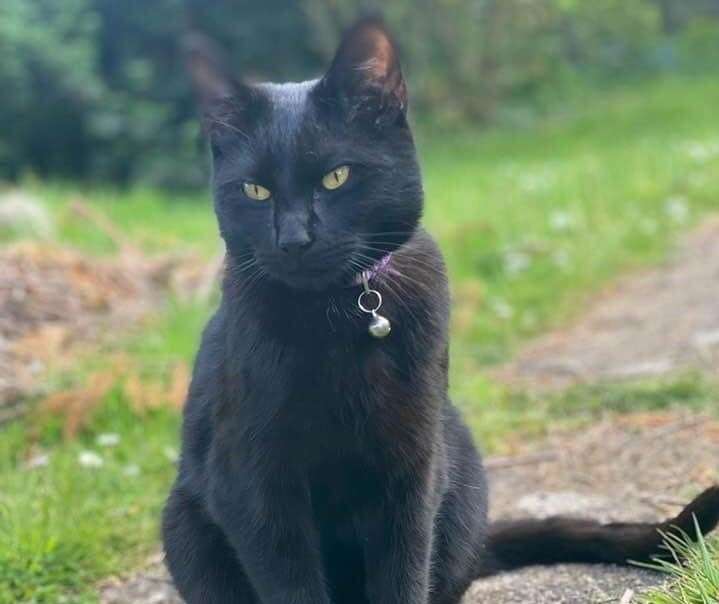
[(288, 102), (287, 94)]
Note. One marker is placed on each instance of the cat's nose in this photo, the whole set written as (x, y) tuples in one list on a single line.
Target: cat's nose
[(293, 233), (294, 241), (296, 246)]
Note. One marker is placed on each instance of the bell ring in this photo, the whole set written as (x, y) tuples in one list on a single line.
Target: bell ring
[(379, 326)]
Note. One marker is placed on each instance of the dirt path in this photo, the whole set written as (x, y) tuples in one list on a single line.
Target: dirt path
[(647, 324)]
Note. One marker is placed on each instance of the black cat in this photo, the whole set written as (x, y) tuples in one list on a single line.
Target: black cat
[(322, 463)]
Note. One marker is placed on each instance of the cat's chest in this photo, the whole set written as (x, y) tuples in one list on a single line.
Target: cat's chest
[(318, 377), (321, 403), (337, 394)]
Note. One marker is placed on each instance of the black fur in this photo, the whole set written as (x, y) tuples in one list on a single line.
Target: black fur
[(320, 465)]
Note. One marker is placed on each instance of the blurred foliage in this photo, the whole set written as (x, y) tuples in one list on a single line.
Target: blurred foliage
[(96, 88)]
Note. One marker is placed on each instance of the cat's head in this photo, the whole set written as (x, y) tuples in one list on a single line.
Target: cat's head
[(313, 181)]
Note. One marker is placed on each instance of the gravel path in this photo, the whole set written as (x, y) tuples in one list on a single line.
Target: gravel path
[(638, 467), (639, 327)]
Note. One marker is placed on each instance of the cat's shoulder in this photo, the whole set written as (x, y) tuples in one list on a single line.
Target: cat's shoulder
[(210, 353), (422, 258), (423, 244)]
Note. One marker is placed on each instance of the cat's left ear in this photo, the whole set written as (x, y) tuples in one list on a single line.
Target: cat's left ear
[(365, 75), (223, 100)]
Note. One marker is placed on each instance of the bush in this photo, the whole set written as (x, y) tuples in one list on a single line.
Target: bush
[(96, 88)]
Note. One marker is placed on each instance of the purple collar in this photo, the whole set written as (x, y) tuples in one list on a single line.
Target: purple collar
[(379, 267)]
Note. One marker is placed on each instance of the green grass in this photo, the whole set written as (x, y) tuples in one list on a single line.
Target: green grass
[(526, 414), (64, 526), (532, 223), (155, 221), (694, 580)]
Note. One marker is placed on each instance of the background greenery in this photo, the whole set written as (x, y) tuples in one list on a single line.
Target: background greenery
[(95, 89)]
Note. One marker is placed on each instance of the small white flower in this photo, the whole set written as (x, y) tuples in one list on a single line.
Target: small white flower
[(37, 461), (171, 454), (561, 259), (108, 439), (37, 367), (516, 262), (561, 221), (131, 470), (677, 209), (537, 181), (90, 459), (502, 309), (702, 151)]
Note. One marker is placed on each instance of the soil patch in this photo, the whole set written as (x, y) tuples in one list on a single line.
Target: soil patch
[(54, 298)]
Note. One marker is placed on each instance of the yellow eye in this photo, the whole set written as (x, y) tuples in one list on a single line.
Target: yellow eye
[(335, 179), (256, 192)]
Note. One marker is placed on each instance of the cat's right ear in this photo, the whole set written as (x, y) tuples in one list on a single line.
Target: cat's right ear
[(222, 98), (365, 77)]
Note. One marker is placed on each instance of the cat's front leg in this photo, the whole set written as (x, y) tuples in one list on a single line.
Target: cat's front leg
[(269, 523), (398, 538)]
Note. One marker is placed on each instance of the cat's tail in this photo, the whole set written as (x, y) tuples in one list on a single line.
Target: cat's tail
[(514, 544)]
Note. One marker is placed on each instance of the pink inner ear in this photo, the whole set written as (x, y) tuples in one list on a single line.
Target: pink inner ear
[(380, 64), (367, 61)]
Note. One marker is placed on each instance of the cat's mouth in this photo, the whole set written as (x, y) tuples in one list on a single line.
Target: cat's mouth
[(313, 280), (320, 268), (307, 275)]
